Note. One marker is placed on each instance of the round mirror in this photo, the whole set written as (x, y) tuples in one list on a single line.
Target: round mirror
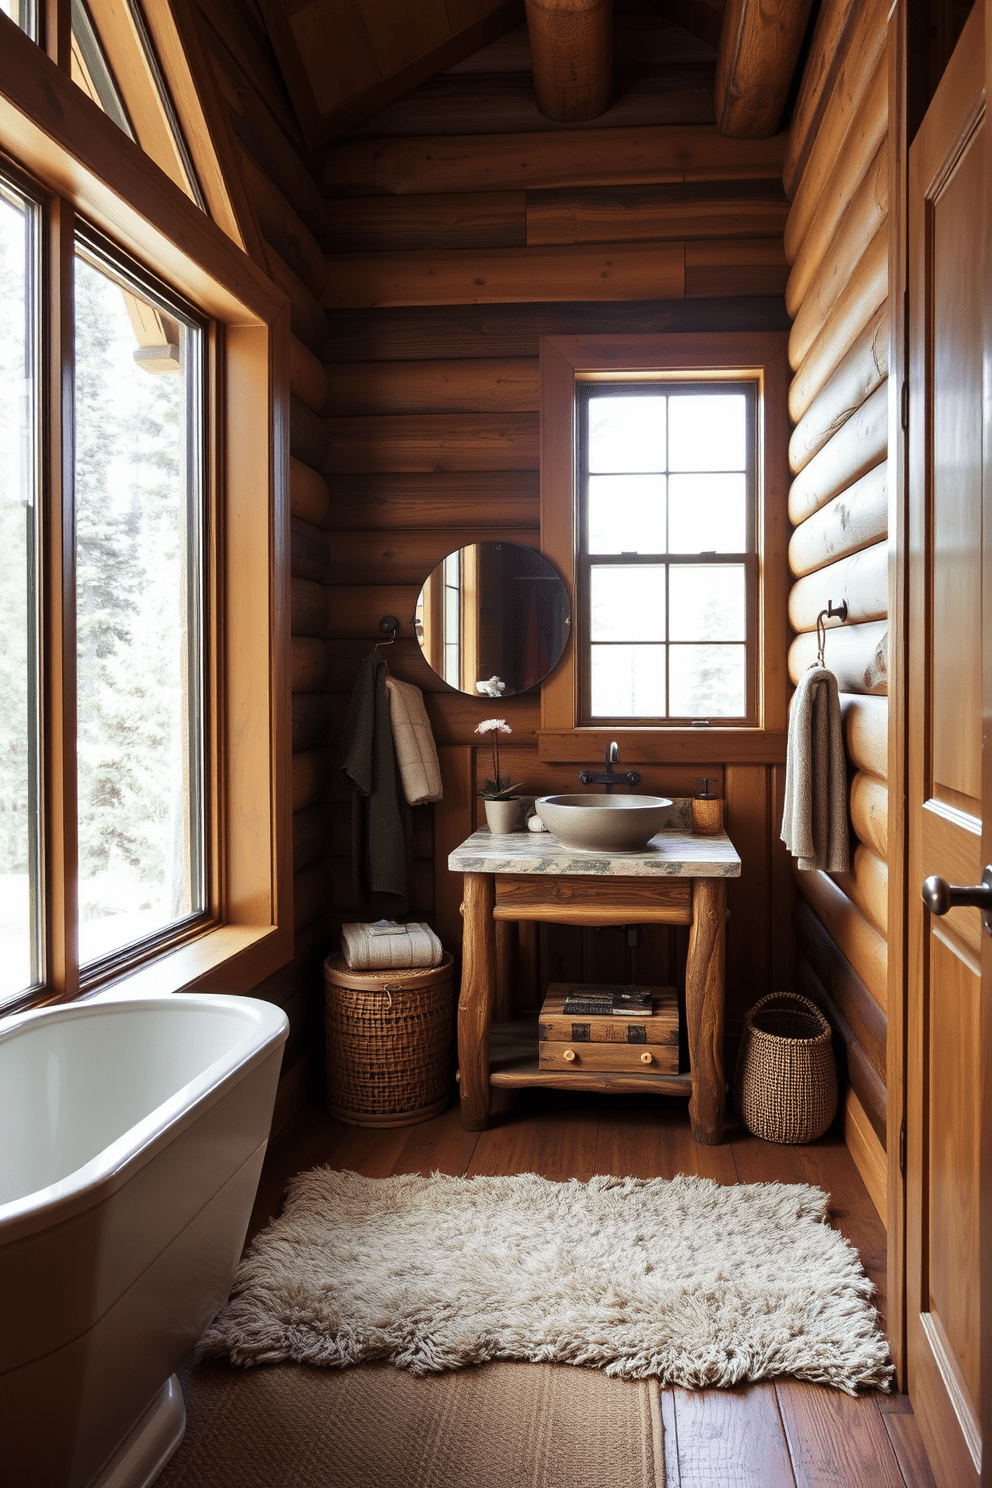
[(493, 619)]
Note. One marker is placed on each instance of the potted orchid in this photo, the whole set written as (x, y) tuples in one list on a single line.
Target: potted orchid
[(502, 805)]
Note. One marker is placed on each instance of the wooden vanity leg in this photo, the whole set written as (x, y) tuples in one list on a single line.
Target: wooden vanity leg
[(704, 992), (478, 997)]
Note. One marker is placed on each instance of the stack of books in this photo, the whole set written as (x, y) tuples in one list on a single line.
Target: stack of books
[(616, 1001)]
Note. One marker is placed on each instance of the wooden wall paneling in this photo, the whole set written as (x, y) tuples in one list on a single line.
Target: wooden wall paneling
[(848, 992), (858, 655), (828, 50), (870, 811), (308, 495), (854, 450), (311, 833), (428, 442), (742, 266), (861, 579), (481, 219), (588, 157), (308, 606), (673, 92), (864, 367), (309, 434), (710, 209), (759, 48), (309, 663), (408, 558), (308, 319), (354, 610), (857, 940), (866, 884), (578, 271), (854, 520), (307, 376), (746, 814), (866, 732), (488, 385), (868, 1153), (861, 295), (282, 226), (312, 717), (423, 333), (248, 42), (311, 777), (852, 125), (855, 1066), (783, 890), (391, 501), (311, 895), (309, 551), (855, 209)]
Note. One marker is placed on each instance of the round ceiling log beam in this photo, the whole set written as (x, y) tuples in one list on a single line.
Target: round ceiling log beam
[(571, 44)]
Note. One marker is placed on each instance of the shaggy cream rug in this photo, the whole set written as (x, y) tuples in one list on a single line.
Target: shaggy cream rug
[(686, 1280)]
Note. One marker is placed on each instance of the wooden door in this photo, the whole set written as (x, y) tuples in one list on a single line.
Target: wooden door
[(947, 813)]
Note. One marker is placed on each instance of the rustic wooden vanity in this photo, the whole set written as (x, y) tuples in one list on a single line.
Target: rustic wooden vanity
[(678, 879)]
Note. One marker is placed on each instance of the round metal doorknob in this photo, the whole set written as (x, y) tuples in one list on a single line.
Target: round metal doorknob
[(939, 896)]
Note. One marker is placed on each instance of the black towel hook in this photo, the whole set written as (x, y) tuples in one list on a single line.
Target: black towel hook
[(389, 625), (832, 612)]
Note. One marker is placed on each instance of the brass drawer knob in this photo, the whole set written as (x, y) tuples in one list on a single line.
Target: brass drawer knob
[(646, 1057), (568, 1056)]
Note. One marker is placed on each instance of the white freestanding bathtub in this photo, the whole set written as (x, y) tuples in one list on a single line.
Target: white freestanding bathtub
[(131, 1140)]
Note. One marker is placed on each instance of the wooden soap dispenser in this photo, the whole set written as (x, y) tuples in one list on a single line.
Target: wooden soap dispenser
[(707, 811)]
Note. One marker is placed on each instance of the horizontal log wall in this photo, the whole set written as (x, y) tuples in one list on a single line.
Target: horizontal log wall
[(452, 251), (836, 241), (289, 213)]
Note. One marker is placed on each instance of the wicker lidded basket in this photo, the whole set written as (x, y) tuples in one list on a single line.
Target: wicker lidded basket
[(785, 1084), (389, 1042)]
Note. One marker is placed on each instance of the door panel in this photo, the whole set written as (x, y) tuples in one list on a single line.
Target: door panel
[(947, 205)]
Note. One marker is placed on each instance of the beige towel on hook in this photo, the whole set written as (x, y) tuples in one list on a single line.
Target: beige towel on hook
[(417, 945), (413, 741), (814, 821)]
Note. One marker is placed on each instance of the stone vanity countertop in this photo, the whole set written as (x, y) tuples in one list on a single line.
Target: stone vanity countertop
[(674, 852)]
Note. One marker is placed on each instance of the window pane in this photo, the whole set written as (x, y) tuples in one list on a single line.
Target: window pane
[(707, 681), (626, 514), (90, 70), (708, 513), (707, 431), (627, 433), (23, 13), (628, 681), (20, 886), (708, 603), (138, 604), (628, 604)]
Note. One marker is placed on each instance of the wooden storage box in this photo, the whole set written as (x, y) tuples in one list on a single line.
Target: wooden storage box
[(610, 1044)]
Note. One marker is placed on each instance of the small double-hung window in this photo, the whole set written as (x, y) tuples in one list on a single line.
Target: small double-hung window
[(667, 570)]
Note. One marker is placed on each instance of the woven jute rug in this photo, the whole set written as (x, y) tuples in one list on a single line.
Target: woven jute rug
[(684, 1280), (497, 1426)]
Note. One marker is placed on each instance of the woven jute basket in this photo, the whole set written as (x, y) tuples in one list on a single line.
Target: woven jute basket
[(389, 1043), (785, 1084)]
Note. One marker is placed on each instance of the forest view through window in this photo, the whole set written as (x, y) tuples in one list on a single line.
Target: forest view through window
[(139, 663), (668, 565)]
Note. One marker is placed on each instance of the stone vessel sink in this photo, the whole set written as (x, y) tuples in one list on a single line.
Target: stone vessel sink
[(604, 823)]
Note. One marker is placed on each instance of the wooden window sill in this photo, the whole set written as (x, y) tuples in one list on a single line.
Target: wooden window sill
[(230, 958)]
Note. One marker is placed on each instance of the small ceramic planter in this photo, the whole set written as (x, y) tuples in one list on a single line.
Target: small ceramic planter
[(502, 815)]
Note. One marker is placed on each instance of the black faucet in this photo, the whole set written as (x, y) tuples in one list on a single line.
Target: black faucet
[(609, 777)]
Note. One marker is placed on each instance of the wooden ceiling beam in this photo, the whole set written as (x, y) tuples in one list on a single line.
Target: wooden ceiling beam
[(571, 43), (759, 48)]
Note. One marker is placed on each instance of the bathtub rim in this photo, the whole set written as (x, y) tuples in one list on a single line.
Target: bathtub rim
[(266, 1028)]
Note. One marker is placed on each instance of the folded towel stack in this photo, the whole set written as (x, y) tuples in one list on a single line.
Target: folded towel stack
[(416, 752), (386, 946)]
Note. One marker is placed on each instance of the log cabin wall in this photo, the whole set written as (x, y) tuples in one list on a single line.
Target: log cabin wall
[(836, 239), (288, 212), (462, 226)]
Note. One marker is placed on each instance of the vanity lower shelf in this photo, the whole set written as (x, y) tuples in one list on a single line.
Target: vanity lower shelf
[(513, 1064)]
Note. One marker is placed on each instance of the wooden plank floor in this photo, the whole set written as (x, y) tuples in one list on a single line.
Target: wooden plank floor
[(778, 1434)]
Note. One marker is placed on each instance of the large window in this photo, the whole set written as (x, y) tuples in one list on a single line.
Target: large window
[(668, 554), (144, 725), (664, 484)]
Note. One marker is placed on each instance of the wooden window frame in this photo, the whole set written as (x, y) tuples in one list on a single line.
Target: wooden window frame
[(77, 159), (758, 356)]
